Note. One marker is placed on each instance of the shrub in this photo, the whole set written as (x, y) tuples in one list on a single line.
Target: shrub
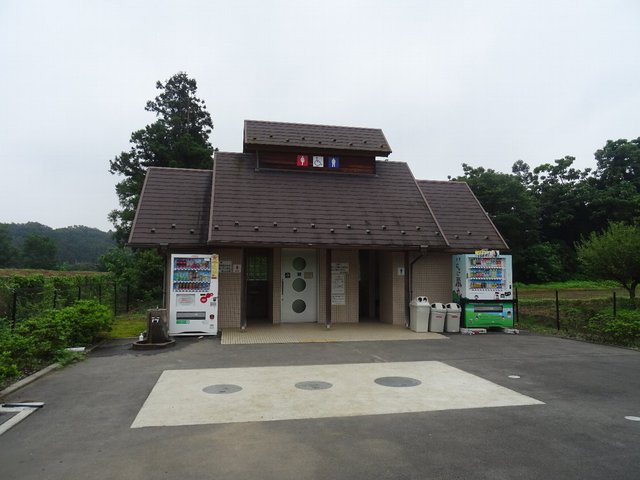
[(16, 354), (8, 369), (86, 319), (622, 330), (42, 337)]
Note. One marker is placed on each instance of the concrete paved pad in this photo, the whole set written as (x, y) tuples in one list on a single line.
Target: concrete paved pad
[(181, 397), (318, 333)]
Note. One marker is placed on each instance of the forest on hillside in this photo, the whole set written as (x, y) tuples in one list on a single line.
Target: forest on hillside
[(33, 245)]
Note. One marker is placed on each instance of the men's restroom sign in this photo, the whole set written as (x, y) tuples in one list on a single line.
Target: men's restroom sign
[(334, 162), (303, 160)]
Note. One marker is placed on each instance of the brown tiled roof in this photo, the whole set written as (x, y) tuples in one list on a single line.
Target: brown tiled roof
[(277, 207), (462, 218), (258, 134), (173, 208)]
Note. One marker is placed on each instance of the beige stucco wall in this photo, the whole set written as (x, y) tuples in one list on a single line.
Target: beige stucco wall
[(399, 304), (432, 277), (230, 285), (392, 299)]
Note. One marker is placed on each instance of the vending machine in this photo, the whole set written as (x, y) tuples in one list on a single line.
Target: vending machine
[(193, 304), (483, 286)]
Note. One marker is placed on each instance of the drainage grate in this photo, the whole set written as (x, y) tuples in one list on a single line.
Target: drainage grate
[(222, 388), (313, 385), (397, 381)]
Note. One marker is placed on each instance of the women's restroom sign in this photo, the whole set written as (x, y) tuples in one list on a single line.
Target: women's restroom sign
[(302, 160)]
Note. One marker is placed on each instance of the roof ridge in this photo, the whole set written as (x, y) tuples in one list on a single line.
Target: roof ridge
[(273, 122), (180, 168), (488, 217), (433, 216), (443, 181)]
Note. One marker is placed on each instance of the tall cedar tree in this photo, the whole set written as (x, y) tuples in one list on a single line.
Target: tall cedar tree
[(178, 138)]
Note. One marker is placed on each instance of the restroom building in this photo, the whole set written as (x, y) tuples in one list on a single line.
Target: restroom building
[(313, 223)]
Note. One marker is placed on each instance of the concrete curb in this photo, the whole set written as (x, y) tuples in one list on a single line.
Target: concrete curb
[(26, 381), (41, 373)]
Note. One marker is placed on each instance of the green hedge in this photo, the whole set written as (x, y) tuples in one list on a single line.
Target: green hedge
[(624, 329), (36, 292), (42, 339)]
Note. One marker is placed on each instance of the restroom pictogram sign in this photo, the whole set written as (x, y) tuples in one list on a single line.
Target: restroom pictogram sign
[(303, 160)]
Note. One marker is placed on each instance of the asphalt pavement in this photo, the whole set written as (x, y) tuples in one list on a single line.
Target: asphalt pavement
[(579, 432)]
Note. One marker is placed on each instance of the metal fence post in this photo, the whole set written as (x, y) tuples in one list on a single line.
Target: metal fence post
[(99, 292), (128, 291), (55, 297), (115, 297), (557, 311), (614, 304), (13, 309), (79, 292)]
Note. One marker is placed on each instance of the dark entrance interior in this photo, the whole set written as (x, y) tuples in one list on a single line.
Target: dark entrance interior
[(369, 286), (258, 268)]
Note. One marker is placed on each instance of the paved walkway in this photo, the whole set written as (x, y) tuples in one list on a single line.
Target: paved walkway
[(585, 430), (318, 333)]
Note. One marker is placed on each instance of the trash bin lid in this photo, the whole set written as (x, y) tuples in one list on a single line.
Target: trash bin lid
[(453, 306), (438, 306)]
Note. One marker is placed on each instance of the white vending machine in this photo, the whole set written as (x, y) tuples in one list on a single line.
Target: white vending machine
[(482, 284), (193, 307)]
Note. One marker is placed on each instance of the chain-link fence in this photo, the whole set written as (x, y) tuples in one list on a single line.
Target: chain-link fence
[(29, 298), (595, 314)]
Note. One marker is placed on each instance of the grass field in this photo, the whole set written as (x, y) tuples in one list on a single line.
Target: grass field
[(578, 304), (128, 325)]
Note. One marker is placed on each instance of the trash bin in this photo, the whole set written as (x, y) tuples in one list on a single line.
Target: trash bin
[(438, 314), (452, 323), (419, 314)]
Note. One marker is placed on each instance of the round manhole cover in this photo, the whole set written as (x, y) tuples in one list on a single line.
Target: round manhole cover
[(397, 381), (222, 388), (313, 385)]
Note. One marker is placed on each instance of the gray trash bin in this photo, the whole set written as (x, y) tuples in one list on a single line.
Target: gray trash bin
[(452, 323), (438, 314), (419, 314)]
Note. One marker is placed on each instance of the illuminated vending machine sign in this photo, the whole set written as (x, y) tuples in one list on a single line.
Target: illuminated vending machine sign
[(193, 308)]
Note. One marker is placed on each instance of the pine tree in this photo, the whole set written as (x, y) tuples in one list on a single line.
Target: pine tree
[(178, 138)]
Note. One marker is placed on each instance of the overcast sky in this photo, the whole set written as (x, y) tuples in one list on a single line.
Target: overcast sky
[(481, 82)]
